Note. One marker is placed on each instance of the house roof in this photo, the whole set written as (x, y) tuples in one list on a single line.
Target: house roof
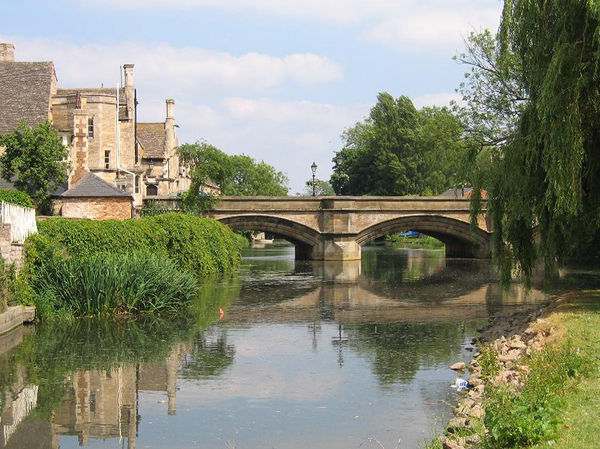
[(152, 137), (465, 192), (91, 186), (25, 93)]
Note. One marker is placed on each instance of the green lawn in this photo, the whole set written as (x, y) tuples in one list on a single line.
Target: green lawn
[(579, 320)]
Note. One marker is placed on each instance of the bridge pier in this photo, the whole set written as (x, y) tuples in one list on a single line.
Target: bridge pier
[(338, 248)]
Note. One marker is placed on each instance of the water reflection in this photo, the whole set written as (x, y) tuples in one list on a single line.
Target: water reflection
[(307, 355)]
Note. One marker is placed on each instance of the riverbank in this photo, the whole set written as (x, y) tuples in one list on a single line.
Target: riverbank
[(425, 242), (147, 265), (535, 381)]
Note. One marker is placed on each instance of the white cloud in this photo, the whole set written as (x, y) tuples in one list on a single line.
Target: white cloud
[(228, 100), (442, 28), (177, 72), (289, 135), (405, 25)]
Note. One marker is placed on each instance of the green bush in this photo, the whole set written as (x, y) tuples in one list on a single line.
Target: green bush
[(85, 267), (8, 285), (16, 197), (199, 245), (109, 284)]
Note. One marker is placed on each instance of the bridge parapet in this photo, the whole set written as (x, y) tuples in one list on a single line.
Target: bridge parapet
[(335, 228)]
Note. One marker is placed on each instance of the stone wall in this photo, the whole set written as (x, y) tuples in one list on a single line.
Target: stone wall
[(12, 253), (97, 208)]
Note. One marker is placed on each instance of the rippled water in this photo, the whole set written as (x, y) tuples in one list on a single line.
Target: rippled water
[(304, 355)]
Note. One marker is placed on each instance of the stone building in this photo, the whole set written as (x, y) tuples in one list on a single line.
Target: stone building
[(92, 197), (99, 125)]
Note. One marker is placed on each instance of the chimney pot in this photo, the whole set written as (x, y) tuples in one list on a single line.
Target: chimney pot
[(128, 68), (7, 52), (170, 109)]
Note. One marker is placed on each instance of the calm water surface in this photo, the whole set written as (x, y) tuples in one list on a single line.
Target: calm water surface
[(304, 355)]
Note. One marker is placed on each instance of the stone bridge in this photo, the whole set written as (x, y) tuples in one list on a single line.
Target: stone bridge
[(335, 228)]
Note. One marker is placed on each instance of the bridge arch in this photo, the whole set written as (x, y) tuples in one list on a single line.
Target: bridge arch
[(305, 239), (457, 235)]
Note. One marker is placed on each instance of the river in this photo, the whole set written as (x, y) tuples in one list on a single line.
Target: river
[(282, 354)]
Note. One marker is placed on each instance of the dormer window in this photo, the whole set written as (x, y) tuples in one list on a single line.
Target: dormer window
[(91, 128)]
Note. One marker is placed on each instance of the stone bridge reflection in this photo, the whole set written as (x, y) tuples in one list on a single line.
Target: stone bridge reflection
[(347, 296)]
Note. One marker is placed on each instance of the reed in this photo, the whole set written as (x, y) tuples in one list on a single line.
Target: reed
[(108, 284)]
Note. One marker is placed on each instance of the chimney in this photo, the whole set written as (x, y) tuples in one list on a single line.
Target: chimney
[(170, 109), (7, 52), (128, 75)]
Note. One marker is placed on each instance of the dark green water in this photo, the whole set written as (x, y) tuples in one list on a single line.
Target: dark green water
[(305, 355)]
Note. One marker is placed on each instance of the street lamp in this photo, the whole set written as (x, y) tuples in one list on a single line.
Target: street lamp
[(313, 167)]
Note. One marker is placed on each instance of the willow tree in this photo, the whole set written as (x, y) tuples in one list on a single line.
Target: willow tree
[(545, 178)]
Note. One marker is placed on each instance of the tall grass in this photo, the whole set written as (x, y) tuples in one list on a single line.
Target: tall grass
[(106, 284), (532, 414)]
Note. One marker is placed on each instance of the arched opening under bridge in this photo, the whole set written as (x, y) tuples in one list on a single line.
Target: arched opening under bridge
[(457, 235), (304, 239)]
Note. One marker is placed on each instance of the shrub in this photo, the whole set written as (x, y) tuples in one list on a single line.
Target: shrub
[(8, 285), (16, 197), (199, 245), (107, 284)]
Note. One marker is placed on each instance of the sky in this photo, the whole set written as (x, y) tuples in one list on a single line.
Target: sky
[(278, 80)]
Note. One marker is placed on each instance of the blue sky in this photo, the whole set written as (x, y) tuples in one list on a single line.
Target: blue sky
[(278, 80)]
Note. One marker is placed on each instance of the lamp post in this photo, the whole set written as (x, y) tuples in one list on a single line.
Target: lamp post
[(313, 167)]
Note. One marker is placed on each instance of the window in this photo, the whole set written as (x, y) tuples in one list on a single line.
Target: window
[(107, 159), (151, 190), (137, 184), (91, 128)]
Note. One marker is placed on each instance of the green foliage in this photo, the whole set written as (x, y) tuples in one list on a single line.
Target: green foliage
[(199, 245), (196, 201), (526, 417), (151, 208), (14, 287), (36, 159), (90, 257), (492, 93), (489, 362), (322, 188), (399, 150), (550, 57), (234, 175), (425, 242), (109, 284), (16, 197), (6, 285)]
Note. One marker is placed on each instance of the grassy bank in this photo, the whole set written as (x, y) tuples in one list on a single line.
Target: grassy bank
[(550, 395), (84, 267), (425, 242)]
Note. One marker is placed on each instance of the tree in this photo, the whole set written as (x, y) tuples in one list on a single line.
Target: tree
[(493, 94), (322, 188), (399, 150), (444, 150), (234, 175), (545, 176), (35, 160)]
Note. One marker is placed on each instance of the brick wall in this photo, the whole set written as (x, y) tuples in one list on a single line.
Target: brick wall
[(97, 208)]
